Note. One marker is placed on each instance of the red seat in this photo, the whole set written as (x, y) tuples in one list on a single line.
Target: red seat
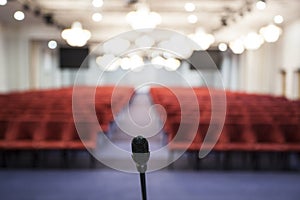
[(53, 135), (4, 126), (88, 135), (22, 134), (268, 137), (184, 136), (291, 133)]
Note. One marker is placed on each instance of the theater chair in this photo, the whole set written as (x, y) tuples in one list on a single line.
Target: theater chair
[(87, 139), (268, 140), (183, 138), (52, 137), (291, 133), (4, 126), (236, 138), (21, 136)]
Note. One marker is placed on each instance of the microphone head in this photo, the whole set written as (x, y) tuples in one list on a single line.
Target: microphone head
[(139, 144)]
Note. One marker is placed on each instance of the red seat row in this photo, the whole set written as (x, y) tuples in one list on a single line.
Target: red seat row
[(47, 135), (252, 122), (44, 119)]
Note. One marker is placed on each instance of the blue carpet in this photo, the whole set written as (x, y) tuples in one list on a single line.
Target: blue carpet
[(175, 185)]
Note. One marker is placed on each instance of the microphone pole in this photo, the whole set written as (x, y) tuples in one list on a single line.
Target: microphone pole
[(143, 186), (141, 155)]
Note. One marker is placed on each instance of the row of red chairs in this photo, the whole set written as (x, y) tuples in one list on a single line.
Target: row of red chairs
[(47, 135), (44, 119), (252, 122)]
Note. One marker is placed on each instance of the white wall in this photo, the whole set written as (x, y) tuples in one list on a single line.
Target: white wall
[(291, 57), (20, 58), (3, 83), (260, 69), (14, 56)]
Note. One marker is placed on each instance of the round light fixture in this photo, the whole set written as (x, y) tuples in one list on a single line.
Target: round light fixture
[(202, 39), (97, 3), (76, 36), (172, 64), (97, 17), (270, 33), (261, 5), (19, 15), (125, 63), (237, 46), (3, 2), (108, 62), (143, 18), (158, 62), (189, 7), (278, 19), (192, 19), (52, 44), (253, 41), (222, 46)]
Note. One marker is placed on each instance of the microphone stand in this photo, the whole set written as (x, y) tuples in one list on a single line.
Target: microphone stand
[(143, 186)]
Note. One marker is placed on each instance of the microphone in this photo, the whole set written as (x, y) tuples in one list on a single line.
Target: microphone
[(140, 153)]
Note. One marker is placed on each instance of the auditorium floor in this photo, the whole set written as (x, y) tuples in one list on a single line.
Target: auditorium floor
[(161, 185)]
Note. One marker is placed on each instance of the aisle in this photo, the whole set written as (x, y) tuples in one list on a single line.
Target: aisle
[(139, 118)]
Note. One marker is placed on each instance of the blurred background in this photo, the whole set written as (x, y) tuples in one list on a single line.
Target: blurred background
[(244, 54)]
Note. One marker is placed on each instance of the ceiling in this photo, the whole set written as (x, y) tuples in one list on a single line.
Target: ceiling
[(241, 15)]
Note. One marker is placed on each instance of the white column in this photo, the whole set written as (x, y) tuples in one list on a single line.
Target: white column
[(291, 58), (3, 65)]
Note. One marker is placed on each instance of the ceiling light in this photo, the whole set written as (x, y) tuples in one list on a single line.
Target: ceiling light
[(108, 62), (19, 15), (222, 46), (3, 2), (192, 19), (202, 39), (52, 44), (125, 63), (261, 5), (237, 46), (136, 62), (178, 45), (253, 41), (189, 7), (172, 64), (158, 62), (144, 41), (97, 3), (270, 33), (143, 18), (76, 36), (278, 19), (97, 17)]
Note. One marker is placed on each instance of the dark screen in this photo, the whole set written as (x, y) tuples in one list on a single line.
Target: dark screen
[(73, 57), (200, 60)]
